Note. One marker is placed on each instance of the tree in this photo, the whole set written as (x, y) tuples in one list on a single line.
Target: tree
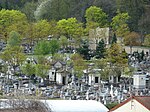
[(41, 70), (132, 39), (29, 9), (100, 49), (28, 69), (42, 29), (13, 4), (116, 56), (108, 6), (119, 24), (53, 46), (13, 51), (42, 48), (53, 10), (117, 60), (135, 9), (78, 64), (42, 67), (63, 41), (114, 39), (128, 74), (104, 68), (84, 50), (147, 40), (69, 27), (14, 39), (95, 15), (12, 20)]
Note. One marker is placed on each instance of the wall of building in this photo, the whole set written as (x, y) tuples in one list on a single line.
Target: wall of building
[(132, 106)]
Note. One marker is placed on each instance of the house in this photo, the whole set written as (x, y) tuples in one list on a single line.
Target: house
[(133, 104)]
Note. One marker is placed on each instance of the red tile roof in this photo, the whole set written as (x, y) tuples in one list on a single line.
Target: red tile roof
[(143, 100)]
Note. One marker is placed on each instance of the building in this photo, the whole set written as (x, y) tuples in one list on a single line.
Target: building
[(94, 77), (75, 106), (59, 73), (139, 80), (95, 35), (133, 104)]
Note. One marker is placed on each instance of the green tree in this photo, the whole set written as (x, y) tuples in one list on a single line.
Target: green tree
[(29, 9), (69, 27), (42, 29), (12, 20), (117, 59), (102, 64), (14, 39), (100, 49), (84, 50), (108, 6), (144, 21), (63, 41), (95, 16), (42, 48), (78, 64), (42, 66), (114, 39), (135, 9), (119, 24), (53, 46), (28, 69), (13, 52), (58, 57), (116, 56), (12, 4), (41, 70), (147, 40)]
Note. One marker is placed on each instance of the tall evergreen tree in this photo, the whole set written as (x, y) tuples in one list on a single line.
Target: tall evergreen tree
[(114, 39), (100, 49), (84, 50)]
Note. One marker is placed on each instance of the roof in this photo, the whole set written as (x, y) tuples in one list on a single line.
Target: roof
[(75, 106), (143, 100)]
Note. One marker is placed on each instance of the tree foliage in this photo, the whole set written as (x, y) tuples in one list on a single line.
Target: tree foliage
[(13, 52), (42, 29), (28, 69), (14, 39), (12, 20), (147, 40), (70, 27), (84, 50), (53, 46), (78, 64), (63, 41), (100, 49), (135, 9), (116, 55), (119, 24), (95, 15), (132, 39), (42, 48)]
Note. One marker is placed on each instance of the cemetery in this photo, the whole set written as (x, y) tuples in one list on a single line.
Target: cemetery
[(74, 55), (62, 83)]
